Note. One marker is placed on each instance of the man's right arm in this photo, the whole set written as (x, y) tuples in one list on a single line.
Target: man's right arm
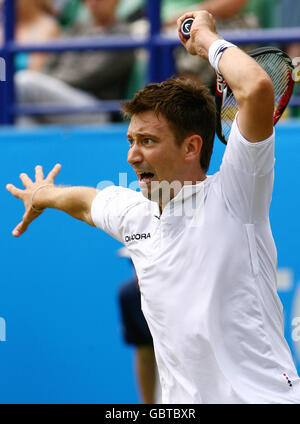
[(42, 193), (251, 85)]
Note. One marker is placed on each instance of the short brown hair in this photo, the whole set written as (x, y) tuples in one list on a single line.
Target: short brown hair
[(186, 104)]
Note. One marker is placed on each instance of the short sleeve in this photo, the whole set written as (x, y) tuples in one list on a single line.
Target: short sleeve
[(247, 176), (110, 207)]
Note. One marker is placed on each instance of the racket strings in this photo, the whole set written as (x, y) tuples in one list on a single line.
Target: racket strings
[(228, 112), (280, 73)]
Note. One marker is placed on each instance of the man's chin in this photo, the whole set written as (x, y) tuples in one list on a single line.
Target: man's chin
[(146, 190), (150, 191), (160, 191)]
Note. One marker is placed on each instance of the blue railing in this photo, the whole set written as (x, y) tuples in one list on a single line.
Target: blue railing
[(160, 47)]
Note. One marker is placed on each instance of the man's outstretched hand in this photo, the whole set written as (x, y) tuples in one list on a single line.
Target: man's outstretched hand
[(25, 195)]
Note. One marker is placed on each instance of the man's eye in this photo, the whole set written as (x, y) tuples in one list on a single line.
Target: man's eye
[(148, 141)]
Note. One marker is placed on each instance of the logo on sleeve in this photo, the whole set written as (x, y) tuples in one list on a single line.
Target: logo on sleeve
[(133, 237), (288, 380)]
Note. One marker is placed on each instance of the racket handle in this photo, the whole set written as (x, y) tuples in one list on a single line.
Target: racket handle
[(186, 27)]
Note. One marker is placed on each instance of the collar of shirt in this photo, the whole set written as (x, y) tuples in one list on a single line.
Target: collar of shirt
[(186, 200)]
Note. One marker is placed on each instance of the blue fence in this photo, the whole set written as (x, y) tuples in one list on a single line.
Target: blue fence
[(160, 47), (62, 341)]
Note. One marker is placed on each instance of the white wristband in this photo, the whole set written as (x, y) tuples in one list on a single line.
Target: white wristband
[(215, 52)]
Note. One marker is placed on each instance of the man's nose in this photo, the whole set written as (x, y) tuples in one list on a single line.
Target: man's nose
[(134, 155)]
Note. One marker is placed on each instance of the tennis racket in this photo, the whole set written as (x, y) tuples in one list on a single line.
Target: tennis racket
[(278, 66)]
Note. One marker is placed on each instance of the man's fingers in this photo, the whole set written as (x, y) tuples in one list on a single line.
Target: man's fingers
[(182, 18), (186, 41), (39, 175), (185, 16), (181, 37), (14, 191), (20, 229), (28, 217), (26, 180), (54, 172)]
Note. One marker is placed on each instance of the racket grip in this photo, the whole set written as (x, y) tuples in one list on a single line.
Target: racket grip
[(186, 27)]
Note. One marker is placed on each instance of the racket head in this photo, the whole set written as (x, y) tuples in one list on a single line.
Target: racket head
[(278, 66)]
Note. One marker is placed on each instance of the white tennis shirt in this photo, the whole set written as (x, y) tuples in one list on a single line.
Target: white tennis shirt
[(208, 281)]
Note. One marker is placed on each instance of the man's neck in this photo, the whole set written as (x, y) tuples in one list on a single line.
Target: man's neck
[(176, 188)]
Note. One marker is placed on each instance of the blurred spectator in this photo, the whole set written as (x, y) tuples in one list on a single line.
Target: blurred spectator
[(290, 17), (230, 14), (80, 79), (223, 10), (172, 9), (70, 12), (267, 12), (131, 11), (34, 24)]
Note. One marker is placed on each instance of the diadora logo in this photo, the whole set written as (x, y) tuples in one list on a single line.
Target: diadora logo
[(137, 237)]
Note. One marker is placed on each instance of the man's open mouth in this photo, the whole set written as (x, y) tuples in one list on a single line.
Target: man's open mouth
[(146, 177)]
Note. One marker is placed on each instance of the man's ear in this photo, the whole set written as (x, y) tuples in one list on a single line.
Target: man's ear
[(192, 147)]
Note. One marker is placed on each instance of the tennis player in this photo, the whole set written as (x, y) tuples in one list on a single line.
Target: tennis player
[(205, 258)]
